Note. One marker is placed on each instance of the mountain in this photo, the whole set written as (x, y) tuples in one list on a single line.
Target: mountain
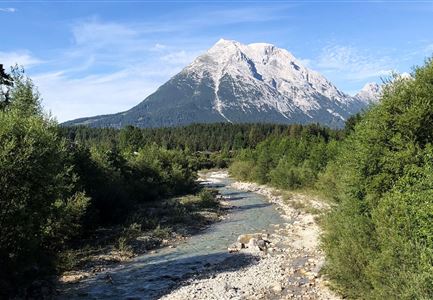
[(370, 93), (239, 83)]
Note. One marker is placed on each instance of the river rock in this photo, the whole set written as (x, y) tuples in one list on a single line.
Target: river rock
[(252, 243), (262, 245), (235, 247), (277, 287), (245, 238), (73, 277)]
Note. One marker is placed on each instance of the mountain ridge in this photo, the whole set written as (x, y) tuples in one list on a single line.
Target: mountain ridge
[(233, 82)]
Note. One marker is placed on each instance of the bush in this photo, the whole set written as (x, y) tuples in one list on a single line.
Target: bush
[(286, 176), (403, 222), (242, 170), (379, 240), (208, 198), (286, 162), (40, 207)]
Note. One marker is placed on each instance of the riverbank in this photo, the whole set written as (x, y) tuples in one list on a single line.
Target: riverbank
[(155, 225), (288, 268)]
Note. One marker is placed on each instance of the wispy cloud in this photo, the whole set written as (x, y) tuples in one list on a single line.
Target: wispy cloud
[(109, 67), (70, 98), (8, 10), (179, 57), (158, 47), (247, 14), (429, 50), (352, 63), (22, 58)]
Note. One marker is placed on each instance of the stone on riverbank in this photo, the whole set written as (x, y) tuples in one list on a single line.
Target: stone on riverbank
[(253, 242), (235, 247)]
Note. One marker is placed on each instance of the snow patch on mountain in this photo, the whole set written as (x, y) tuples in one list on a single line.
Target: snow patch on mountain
[(370, 93)]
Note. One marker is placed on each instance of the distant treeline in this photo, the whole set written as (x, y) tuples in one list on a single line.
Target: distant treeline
[(195, 137)]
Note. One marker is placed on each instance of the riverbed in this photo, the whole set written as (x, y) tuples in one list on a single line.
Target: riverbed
[(201, 256)]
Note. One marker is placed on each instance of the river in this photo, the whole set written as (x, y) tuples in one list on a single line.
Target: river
[(151, 276)]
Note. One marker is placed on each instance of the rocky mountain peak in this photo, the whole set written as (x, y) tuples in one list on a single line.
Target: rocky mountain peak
[(370, 93)]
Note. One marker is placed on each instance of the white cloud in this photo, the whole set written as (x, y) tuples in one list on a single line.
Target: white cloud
[(101, 34), (109, 67), (22, 58), (179, 58), (352, 63), (68, 98), (158, 47), (8, 10)]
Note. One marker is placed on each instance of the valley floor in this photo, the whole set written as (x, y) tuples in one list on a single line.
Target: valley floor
[(290, 266)]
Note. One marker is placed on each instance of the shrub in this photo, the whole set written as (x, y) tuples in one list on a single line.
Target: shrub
[(379, 239), (242, 170), (208, 198), (40, 208)]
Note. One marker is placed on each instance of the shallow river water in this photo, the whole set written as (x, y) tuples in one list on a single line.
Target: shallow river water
[(151, 276)]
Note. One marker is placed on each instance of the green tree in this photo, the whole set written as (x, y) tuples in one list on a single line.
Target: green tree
[(24, 97), (5, 83), (40, 207)]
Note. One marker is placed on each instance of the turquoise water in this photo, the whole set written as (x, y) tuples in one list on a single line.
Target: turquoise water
[(152, 275)]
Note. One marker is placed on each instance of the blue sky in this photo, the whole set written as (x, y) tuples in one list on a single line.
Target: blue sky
[(96, 57)]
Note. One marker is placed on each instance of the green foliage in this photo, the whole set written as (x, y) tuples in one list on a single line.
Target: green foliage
[(217, 137), (379, 240), (289, 161), (242, 169), (118, 181), (161, 233), (403, 224), (24, 97), (55, 190), (208, 198), (40, 205)]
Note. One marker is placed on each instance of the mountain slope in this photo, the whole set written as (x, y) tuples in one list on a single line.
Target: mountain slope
[(239, 83)]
